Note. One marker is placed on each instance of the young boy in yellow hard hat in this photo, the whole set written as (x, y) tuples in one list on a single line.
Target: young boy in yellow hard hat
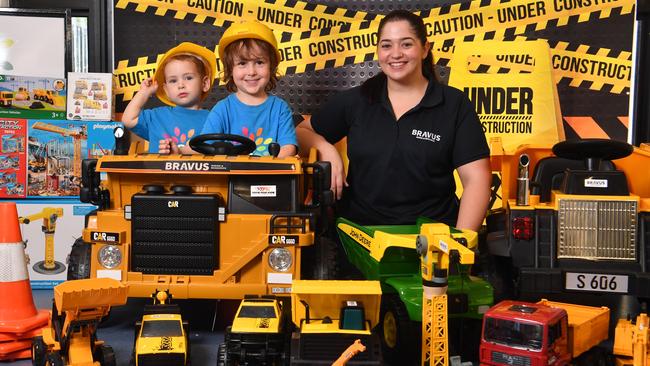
[(182, 80), (250, 57)]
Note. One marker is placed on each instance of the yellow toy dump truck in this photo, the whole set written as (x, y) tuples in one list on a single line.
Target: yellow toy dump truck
[(161, 337), (201, 226), (326, 317), (71, 337), (329, 316), (575, 219), (544, 333)]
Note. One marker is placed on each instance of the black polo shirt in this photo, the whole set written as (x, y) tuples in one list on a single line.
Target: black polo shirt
[(402, 169)]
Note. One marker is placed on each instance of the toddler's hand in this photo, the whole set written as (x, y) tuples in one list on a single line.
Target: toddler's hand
[(149, 87), (165, 146)]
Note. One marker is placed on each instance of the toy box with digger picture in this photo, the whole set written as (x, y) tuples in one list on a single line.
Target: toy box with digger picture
[(220, 224), (55, 151), (32, 97), (13, 177)]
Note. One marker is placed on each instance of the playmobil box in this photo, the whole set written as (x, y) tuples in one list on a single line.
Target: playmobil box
[(49, 229), (32, 97), (56, 150), (13, 134), (90, 96)]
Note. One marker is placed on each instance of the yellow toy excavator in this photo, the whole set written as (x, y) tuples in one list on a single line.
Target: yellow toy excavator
[(49, 215)]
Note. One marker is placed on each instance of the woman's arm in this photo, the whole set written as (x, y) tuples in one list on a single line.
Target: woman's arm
[(476, 178), (308, 138)]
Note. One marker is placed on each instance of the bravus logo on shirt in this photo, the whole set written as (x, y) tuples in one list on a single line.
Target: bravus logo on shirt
[(425, 135)]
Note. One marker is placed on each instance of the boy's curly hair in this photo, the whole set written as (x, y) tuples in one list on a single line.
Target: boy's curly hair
[(244, 48)]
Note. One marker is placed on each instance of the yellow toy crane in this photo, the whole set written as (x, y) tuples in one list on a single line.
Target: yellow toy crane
[(439, 246), (76, 135), (49, 215)]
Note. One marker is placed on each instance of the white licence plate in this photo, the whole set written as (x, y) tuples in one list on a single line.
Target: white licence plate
[(596, 282)]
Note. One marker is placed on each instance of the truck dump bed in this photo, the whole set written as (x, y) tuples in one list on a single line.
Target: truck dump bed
[(89, 293), (588, 325)]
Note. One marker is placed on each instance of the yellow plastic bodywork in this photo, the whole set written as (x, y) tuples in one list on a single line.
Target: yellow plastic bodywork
[(244, 239), (588, 325), (258, 325), (325, 299), (634, 166), (161, 344), (84, 303), (632, 342)]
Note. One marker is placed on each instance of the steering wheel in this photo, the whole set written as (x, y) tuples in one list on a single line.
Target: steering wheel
[(592, 151), (222, 145)]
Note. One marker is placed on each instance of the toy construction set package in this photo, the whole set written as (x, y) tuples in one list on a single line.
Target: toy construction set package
[(56, 150), (49, 229), (32, 97), (13, 133), (89, 96)]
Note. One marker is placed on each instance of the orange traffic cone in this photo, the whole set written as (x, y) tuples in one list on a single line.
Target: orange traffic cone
[(17, 311)]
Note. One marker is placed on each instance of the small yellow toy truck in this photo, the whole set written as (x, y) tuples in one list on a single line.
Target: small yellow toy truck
[(71, 338), (258, 336), (49, 96), (161, 337), (6, 99)]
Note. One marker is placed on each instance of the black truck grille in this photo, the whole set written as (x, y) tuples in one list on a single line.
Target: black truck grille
[(162, 359), (175, 234)]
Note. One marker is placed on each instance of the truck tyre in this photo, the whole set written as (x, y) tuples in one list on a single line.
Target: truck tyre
[(321, 260), (105, 356), (54, 359), (39, 351), (222, 356), (79, 260), (399, 335)]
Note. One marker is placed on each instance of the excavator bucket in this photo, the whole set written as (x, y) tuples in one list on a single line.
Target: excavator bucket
[(89, 293)]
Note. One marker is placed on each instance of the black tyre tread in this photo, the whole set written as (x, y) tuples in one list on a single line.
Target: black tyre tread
[(54, 359), (407, 348), (321, 260), (79, 260), (222, 356), (39, 351)]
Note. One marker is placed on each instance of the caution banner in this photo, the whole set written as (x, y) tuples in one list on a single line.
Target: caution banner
[(355, 39), (280, 15), (599, 69)]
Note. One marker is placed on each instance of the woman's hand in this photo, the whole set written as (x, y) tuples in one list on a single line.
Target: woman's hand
[(329, 153)]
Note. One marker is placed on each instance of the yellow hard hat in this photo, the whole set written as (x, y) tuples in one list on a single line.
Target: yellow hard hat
[(186, 48), (248, 29)]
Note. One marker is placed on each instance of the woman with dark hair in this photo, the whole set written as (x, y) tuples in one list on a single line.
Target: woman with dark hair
[(406, 134)]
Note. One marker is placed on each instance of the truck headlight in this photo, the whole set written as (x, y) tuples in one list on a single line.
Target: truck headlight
[(280, 259), (110, 256)]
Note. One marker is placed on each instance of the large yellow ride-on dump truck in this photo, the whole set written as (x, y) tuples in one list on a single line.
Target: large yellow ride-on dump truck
[(71, 339), (220, 224)]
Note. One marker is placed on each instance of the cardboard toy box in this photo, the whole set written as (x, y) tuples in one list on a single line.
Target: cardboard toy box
[(56, 150), (47, 253), (90, 96), (32, 97), (13, 136)]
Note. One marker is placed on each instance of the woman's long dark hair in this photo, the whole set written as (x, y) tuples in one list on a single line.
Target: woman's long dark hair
[(372, 85)]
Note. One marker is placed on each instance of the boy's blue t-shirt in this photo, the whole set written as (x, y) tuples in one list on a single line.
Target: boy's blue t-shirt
[(178, 123), (268, 122)]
